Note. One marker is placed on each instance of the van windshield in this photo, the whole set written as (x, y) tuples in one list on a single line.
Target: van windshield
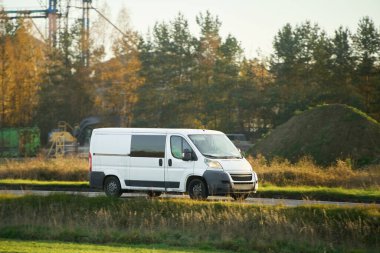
[(215, 146)]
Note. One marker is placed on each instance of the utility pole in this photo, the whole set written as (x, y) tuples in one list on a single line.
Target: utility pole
[(86, 6), (52, 15)]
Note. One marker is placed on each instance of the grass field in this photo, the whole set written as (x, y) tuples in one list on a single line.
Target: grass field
[(186, 223), (265, 191), (28, 182), (11, 246), (319, 193), (306, 173), (278, 179), (280, 173), (40, 168)]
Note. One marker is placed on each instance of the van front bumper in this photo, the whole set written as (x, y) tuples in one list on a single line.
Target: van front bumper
[(223, 183)]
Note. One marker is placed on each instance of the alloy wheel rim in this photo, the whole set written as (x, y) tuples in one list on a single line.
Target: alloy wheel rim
[(197, 190), (112, 187)]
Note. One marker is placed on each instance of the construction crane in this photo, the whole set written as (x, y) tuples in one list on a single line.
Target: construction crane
[(53, 13)]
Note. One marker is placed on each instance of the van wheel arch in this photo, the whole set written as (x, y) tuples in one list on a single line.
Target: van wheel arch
[(193, 177), (197, 188)]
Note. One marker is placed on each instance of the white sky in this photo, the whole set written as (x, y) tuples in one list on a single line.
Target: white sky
[(253, 22)]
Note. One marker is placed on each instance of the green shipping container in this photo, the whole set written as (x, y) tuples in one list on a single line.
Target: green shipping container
[(19, 142)]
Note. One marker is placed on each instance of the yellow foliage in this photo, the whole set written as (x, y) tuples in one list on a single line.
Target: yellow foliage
[(20, 76), (119, 79)]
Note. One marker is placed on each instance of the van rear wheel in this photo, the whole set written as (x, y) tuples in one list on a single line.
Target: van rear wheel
[(112, 187), (198, 189)]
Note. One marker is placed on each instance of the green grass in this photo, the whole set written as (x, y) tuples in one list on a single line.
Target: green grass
[(266, 191), (319, 193), (8, 246), (196, 224), (43, 184)]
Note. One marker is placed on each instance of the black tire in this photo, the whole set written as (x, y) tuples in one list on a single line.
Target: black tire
[(153, 194), (198, 189), (239, 196), (112, 187)]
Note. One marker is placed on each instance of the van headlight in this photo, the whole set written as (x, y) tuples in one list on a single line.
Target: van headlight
[(213, 164)]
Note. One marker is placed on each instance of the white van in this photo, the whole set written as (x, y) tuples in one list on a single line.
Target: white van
[(200, 162)]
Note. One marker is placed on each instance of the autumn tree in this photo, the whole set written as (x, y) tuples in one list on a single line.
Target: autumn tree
[(21, 73), (67, 89), (118, 78)]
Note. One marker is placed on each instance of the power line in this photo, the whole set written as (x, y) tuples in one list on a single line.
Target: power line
[(109, 21), (42, 4), (38, 30)]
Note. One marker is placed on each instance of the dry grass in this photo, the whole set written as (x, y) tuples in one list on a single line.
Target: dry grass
[(306, 173), (40, 168), (232, 226), (277, 172)]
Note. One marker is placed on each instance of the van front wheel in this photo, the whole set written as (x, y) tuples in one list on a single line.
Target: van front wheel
[(198, 189), (112, 187)]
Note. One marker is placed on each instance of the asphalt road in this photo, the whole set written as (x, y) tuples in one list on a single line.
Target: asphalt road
[(262, 201)]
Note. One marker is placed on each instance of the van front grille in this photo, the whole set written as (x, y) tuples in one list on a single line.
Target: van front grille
[(241, 177)]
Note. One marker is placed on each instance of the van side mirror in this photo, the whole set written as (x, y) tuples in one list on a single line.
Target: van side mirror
[(187, 155)]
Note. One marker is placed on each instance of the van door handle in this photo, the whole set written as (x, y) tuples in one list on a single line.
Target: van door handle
[(170, 162), (160, 162)]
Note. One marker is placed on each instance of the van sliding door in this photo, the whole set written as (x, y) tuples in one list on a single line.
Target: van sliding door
[(147, 162)]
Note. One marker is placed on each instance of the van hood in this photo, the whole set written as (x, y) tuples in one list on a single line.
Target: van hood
[(235, 165)]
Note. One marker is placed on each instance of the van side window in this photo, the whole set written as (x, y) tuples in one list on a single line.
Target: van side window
[(178, 145), (148, 146)]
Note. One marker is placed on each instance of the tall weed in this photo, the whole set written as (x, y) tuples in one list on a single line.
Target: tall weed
[(40, 168), (278, 172), (231, 226), (306, 173)]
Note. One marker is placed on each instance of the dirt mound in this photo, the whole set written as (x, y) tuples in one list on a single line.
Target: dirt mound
[(326, 133)]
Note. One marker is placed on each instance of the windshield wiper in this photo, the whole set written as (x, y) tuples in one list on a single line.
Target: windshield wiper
[(211, 156), (222, 157), (230, 157)]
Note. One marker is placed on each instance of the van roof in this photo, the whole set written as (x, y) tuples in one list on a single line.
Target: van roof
[(155, 130)]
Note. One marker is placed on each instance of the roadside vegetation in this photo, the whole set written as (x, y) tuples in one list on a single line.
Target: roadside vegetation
[(305, 172), (41, 168), (11, 246), (220, 225), (278, 178), (277, 172), (265, 190), (27, 184), (319, 193)]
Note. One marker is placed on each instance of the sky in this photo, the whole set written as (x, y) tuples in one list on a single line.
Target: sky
[(253, 22)]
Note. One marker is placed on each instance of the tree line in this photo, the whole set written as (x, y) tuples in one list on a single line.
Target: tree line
[(173, 78)]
